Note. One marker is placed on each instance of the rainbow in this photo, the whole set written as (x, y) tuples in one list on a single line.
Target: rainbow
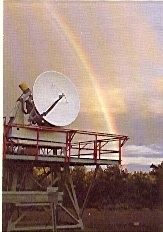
[(80, 52)]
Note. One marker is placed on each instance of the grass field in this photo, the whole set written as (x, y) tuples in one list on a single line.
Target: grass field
[(144, 220), (124, 220)]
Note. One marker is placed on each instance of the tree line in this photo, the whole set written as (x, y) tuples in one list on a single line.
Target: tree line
[(116, 187)]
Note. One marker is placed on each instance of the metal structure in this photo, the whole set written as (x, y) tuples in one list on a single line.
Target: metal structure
[(54, 151)]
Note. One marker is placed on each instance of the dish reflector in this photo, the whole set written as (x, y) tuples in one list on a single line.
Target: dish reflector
[(56, 98)]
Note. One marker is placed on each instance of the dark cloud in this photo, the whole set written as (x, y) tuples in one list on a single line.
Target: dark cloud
[(153, 150)]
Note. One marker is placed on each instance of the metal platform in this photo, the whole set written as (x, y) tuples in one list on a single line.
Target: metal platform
[(49, 144)]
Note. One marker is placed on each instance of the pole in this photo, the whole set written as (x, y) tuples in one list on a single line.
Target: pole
[(89, 189), (54, 222)]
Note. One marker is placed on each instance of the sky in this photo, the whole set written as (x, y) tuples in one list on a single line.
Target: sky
[(111, 51)]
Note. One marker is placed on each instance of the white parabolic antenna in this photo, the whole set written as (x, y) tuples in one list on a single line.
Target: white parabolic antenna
[(56, 98)]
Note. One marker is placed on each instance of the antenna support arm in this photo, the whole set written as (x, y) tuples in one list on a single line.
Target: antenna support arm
[(52, 106)]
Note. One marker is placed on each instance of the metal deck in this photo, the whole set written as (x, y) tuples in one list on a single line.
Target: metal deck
[(61, 159)]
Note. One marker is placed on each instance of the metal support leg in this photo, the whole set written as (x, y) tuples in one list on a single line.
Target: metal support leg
[(54, 219), (72, 195), (89, 189)]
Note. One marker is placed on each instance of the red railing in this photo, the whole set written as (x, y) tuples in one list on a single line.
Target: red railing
[(76, 143)]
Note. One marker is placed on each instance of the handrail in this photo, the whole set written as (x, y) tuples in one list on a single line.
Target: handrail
[(97, 145)]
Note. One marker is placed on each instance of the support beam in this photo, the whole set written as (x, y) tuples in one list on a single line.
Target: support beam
[(89, 189)]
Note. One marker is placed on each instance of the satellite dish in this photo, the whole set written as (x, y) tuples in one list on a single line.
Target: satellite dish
[(56, 98)]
